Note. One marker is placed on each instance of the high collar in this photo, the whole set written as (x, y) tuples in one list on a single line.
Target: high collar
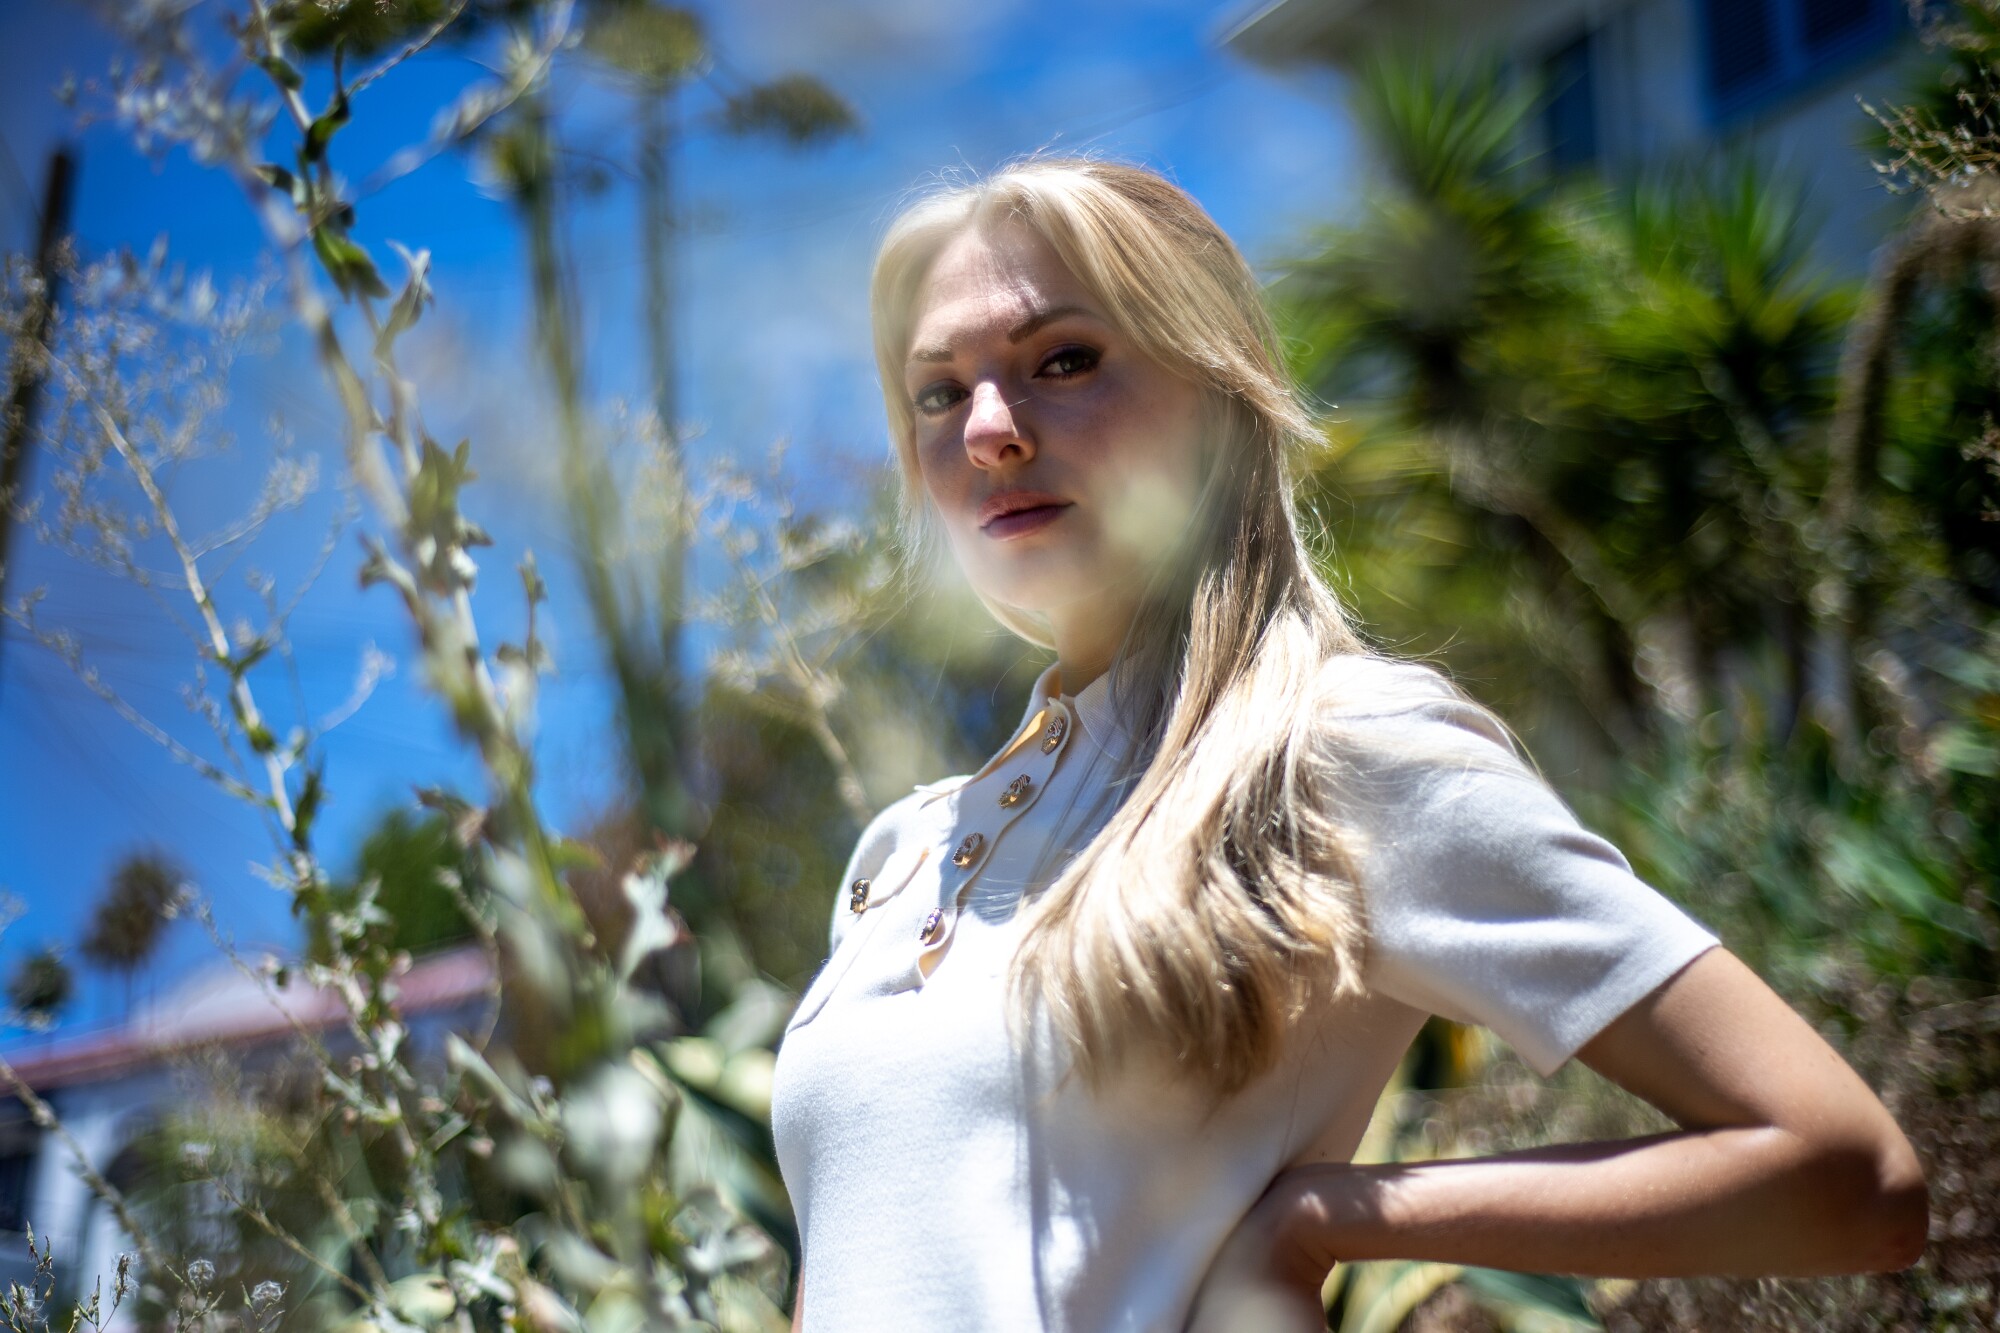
[(1094, 710), (1093, 705)]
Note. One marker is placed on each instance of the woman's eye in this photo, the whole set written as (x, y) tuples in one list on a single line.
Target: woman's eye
[(935, 399), (1067, 361)]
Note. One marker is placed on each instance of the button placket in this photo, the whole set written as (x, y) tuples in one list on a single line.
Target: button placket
[(872, 892), (1026, 776), (887, 884)]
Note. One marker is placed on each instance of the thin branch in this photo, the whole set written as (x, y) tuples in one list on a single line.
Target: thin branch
[(355, 1239), (489, 940), (291, 1242), (218, 637), (364, 689), (414, 48), (65, 649), (349, 510), (46, 1118), (474, 111), (847, 778), (203, 914)]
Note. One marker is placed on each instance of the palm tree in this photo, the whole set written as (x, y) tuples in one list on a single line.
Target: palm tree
[(42, 985), (131, 919), (1583, 421), (1589, 452), (1618, 453)]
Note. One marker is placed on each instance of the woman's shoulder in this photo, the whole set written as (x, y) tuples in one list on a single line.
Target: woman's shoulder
[(1362, 684), (1488, 900), (1399, 695), (897, 822), (1391, 722)]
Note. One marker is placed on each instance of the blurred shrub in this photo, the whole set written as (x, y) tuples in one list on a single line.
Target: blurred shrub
[(1715, 527), (1583, 457), (407, 886)]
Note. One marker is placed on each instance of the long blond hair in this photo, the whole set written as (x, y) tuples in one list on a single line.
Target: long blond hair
[(1219, 902)]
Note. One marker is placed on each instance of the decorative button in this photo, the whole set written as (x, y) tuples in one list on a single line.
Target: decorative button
[(1058, 728), (1015, 791), (857, 894), (968, 850), (933, 926)]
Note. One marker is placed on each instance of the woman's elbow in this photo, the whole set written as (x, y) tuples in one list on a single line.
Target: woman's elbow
[(1905, 1208), (1878, 1204)]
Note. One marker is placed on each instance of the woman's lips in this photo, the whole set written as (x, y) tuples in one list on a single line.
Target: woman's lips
[(1020, 522), (1018, 510)]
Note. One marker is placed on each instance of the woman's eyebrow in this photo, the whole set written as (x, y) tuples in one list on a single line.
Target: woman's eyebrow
[(1022, 330)]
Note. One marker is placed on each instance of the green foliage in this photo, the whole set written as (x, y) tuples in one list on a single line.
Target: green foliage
[(141, 898), (593, 1157), (41, 987), (797, 109), (1583, 458), (1946, 141), (1938, 474), (314, 28), (1804, 873), (406, 888), (656, 44)]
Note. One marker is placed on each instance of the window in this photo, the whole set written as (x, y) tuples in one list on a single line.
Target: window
[(19, 1143), (1827, 22), (1742, 46), (1569, 115), (1756, 51)]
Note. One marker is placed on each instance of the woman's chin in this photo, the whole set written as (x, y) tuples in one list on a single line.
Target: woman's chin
[(1053, 593), (1027, 573)]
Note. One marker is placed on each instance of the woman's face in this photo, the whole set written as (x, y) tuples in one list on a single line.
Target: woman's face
[(1062, 462)]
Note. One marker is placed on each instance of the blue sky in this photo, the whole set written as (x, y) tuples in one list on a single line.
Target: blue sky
[(773, 326)]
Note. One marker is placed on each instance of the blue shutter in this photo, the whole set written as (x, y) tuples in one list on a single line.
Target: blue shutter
[(1825, 23), (1756, 51), (1569, 116), (1740, 47)]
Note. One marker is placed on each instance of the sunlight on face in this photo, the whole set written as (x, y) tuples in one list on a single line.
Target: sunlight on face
[(1061, 461)]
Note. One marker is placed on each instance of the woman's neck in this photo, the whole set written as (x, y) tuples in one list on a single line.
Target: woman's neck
[(1087, 642)]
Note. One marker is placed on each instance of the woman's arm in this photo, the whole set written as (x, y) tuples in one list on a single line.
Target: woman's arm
[(1786, 1164)]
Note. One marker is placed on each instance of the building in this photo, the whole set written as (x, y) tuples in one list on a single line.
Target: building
[(1636, 82), (109, 1087)]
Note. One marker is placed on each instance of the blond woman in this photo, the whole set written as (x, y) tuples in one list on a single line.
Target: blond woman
[(1103, 1022)]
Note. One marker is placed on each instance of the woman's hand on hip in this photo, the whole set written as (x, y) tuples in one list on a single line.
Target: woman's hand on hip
[(1267, 1276)]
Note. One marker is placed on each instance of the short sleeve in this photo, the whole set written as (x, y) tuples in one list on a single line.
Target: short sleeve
[(1488, 902)]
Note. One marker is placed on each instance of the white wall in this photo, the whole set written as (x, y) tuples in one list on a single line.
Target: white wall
[(1650, 106)]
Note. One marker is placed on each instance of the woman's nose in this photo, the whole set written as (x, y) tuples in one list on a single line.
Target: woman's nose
[(994, 431)]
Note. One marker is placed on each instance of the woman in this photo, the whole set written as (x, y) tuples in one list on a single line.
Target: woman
[(1104, 1021)]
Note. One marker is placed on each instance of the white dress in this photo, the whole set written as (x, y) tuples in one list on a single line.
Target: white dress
[(943, 1181)]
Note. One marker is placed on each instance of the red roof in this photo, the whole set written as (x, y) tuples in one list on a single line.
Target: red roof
[(226, 1008)]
